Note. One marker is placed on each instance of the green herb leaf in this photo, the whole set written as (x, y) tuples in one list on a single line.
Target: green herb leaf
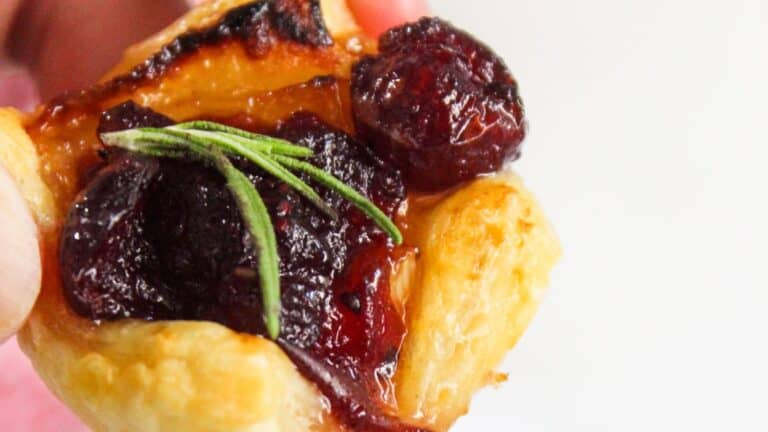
[(257, 142), (208, 142), (257, 219)]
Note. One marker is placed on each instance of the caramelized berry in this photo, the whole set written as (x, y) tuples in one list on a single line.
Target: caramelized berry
[(438, 104), (163, 239)]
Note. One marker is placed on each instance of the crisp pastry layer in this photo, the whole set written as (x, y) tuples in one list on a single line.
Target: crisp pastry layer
[(484, 254)]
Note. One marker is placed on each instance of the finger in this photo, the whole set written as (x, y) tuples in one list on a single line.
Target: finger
[(17, 88), (68, 44), (376, 16), (20, 271), (25, 403), (8, 10)]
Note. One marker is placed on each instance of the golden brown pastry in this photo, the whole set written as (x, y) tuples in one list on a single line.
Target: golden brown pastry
[(466, 281)]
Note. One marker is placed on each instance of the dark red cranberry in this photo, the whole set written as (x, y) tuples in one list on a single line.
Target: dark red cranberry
[(129, 115), (145, 224), (163, 239), (108, 267), (438, 104)]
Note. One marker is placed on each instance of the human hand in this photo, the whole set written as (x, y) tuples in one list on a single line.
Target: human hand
[(43, 35)]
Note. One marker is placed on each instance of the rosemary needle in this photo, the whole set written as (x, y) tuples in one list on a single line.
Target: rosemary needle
[(347, 192), (256, 217), (258, 141), (237, 148)]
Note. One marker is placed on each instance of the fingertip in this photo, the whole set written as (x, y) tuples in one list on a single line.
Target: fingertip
[(17, 88), (20, 271), (376, 16), (67, 45)]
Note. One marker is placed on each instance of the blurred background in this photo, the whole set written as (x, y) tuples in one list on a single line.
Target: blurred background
[(647, 149)]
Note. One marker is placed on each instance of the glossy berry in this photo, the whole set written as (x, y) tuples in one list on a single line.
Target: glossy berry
[(163, 239), (438, 104)]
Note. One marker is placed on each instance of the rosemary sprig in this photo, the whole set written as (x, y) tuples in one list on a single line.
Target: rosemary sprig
[(258, 142), (232, 146), (210, 143)]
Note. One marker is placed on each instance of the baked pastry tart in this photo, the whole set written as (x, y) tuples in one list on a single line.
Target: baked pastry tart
[(261, 220)]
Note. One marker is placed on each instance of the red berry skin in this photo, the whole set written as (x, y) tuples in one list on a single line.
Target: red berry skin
[(437, 104)]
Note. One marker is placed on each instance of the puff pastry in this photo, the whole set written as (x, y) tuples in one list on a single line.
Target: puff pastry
[(479, 259)]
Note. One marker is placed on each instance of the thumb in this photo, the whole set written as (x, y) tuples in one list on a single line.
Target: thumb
[(20, 270)]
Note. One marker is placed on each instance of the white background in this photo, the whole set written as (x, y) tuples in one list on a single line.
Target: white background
[(648, 150)]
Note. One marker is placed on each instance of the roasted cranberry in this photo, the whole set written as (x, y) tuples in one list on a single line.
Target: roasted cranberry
[(145, 224), (109, 268), (129, 115), (163, 239), (438, 104)]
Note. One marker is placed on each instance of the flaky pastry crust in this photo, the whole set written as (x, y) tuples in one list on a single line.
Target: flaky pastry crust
[(485, 251)]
